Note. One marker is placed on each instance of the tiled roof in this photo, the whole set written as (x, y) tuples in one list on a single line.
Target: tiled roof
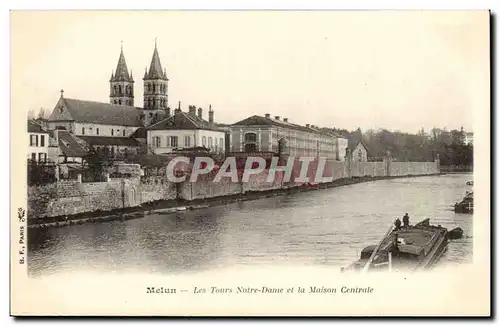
[(184, 120), (140, 133), (35, 128), (70, 145), (109, 141), (96, 112), (257, 120)]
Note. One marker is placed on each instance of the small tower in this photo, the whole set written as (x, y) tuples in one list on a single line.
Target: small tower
[(121, 84), (155, 91)]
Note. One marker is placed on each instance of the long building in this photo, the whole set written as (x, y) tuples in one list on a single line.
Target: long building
[(279, 136)]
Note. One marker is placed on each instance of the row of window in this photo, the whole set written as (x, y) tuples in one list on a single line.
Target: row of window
[(36, 141), (173, 141), (119, 90), (153, 87), (152, 103), (125, 102), (42, 157), (112, 131)]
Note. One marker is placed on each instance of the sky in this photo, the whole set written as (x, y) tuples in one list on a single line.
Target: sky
[(345, 69)]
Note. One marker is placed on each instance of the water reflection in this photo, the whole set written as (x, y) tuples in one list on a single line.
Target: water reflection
[(322, 227)]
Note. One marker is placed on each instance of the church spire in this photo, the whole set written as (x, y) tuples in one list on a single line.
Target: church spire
[(121, 68), (121, 84), (155, 69)]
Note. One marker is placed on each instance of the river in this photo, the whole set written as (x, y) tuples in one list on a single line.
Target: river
[(324, 227)]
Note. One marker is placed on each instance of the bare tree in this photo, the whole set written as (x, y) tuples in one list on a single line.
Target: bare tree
[(42, 113)]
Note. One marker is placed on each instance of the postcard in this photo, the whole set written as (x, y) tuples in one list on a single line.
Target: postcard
[(250, 163)]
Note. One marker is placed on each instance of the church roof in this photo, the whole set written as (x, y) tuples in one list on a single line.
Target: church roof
[(96, 112), (121, 73), (155, 69), (184, 120)]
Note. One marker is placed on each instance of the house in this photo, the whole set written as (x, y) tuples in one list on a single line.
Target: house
[(186, 130), (279, 136), (38, 143), (358, 150)]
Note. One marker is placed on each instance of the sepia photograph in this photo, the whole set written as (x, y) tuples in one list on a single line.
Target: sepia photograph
[(250, 163)]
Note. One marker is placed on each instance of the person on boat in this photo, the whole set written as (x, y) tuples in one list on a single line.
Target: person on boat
[(397, 224), (406, 221)]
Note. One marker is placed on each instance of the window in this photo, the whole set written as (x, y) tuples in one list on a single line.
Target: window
[(360, 156), (83, 130), (250, 142), (210, 142), (114, 87), (42, 157), (42, 140), (120, 89), (97, 131), (156, 141), (123, 132), (149, 87), (33, 140), (251, 147), (120, 102), (174, 142), (250, 137), (187, 141), (33, 157), (204, 141)]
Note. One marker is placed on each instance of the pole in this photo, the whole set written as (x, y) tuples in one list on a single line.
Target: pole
[(390, 262), (367, 266)]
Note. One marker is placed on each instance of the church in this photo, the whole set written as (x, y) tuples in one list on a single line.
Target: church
[(119, 125)]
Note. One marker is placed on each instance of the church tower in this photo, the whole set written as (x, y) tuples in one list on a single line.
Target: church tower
[(155, 91), (121, 84)]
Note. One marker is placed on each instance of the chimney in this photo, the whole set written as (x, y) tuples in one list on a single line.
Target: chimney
[(268, 115), (285, 119), (192, 110), (308, 125), (210, 114), (277, 117), (200, 113)]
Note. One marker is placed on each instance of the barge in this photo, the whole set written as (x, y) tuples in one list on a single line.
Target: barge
[(410, 248)]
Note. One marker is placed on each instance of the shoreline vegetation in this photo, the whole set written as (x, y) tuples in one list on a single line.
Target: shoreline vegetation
[(172, 206)]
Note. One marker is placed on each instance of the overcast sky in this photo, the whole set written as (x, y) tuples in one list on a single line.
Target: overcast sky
[(395, 70)]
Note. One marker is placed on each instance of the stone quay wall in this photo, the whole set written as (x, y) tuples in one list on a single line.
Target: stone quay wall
[(65, 198)]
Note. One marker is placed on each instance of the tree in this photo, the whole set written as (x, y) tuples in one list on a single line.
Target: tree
[(42, 113)]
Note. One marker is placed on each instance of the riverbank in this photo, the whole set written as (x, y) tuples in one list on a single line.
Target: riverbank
[(171, 206)]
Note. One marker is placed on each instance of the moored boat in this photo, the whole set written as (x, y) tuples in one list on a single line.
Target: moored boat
[(466, 205), (413, 248)]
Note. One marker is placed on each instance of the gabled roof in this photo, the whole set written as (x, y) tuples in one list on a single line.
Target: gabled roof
[(70, 145), (96, 112), (353, 143), (257, 120), (184, 120), (36, 128)]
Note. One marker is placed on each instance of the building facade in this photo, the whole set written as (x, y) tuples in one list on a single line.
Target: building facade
[(266, 134), (359, 153), (38, 143), (185, 130)]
